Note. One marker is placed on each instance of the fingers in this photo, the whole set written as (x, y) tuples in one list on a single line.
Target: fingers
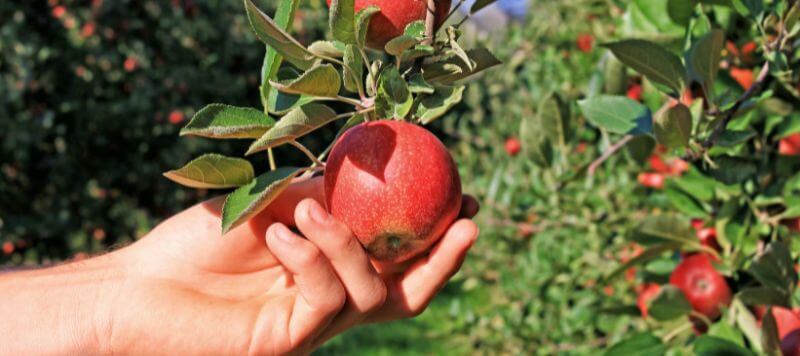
[(322, 294), (365, 290), (410, 294)]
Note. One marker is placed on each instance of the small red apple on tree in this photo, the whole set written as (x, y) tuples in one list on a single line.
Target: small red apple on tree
[(512, 146), (704, 287), (647, 293), (790, 145)]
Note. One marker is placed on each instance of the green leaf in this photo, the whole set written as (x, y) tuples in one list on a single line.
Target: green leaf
[(418, 85), (685, 203), (284, 17), (353, 71), (478, 5), (705, 56), (434, 106), (400, 44), (343, 20), (673, 126), (731, 138), (617, 114), (362, 24), (225, 121), (733, 170), (327, 49), (252, 198), (442, 71), (764, 296), (751, 8), (615, 76), (641, 148), (706, 345), (297, 123), (280, 103), (769, 334), (663, 228), (726, 331), (394, 100), (644, 344), (651, 60), (774, 268), (320, 81), (670, 303), (680, 11), (554, 118), (213, 171), (274, 36)]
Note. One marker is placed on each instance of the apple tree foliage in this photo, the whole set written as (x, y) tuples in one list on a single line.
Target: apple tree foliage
[(417, 79), (697, 106)]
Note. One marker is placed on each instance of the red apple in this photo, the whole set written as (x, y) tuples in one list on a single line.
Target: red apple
[(513, 146), (790, 345), (708, 238), (744, 77), (647, 294), (790, 145), (651, 180), (395, 15), (704, 287), (786, 320), (395, 185), (8, 247), (635, 92), (585, 42)]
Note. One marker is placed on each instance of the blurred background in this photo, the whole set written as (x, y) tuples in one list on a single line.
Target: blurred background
[(93, 94)]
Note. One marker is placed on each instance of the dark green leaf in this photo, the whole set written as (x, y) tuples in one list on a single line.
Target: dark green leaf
[(651, 60), (554, 118), (714, 346), (274, 36), (673, 126), (733, 170), (433, 106), (645, 344), (670, 303), (394, 100), (320, 81), (252, 198), (705, 55)]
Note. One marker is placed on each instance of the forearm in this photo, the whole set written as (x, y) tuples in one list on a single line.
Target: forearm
[(58, 310)]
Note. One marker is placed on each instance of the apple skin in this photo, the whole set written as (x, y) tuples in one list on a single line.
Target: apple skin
[(395, 185), (647, 293), (704, 287), (395, 15), (790, 145), (787, 320), (790, 345)]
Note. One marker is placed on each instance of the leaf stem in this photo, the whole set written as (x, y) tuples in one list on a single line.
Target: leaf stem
[(307, 152), (271, 156)]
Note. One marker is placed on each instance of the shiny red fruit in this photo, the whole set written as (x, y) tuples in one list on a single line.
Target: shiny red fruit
[(395, 15), (744, 77), (176, 117), (790, 145), (790, 345), (513, 146), (8, 247), (704, 287), (647, 294), (585, 42), (395, 185), (708, 238), (635, 92), (786, 320), (652, 180)]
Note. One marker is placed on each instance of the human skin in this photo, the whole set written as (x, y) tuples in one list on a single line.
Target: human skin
[(260, 289)]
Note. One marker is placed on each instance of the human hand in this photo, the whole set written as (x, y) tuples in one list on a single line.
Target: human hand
[(262, 289)]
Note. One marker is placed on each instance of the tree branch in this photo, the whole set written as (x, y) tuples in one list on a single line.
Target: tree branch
[(728, 115), (607, 154)]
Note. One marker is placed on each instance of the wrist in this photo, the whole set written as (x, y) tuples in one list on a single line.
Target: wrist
[(61, 309)]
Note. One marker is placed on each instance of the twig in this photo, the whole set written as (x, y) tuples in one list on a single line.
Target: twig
[(308, 153), (607, 154), (430, 23), (729, 114)]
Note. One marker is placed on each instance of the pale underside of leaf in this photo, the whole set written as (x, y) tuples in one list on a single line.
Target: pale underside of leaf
[(213, 171), (225, 121)]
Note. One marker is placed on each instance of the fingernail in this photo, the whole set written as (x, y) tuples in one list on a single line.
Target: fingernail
[(318, 214), (282, 233)]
